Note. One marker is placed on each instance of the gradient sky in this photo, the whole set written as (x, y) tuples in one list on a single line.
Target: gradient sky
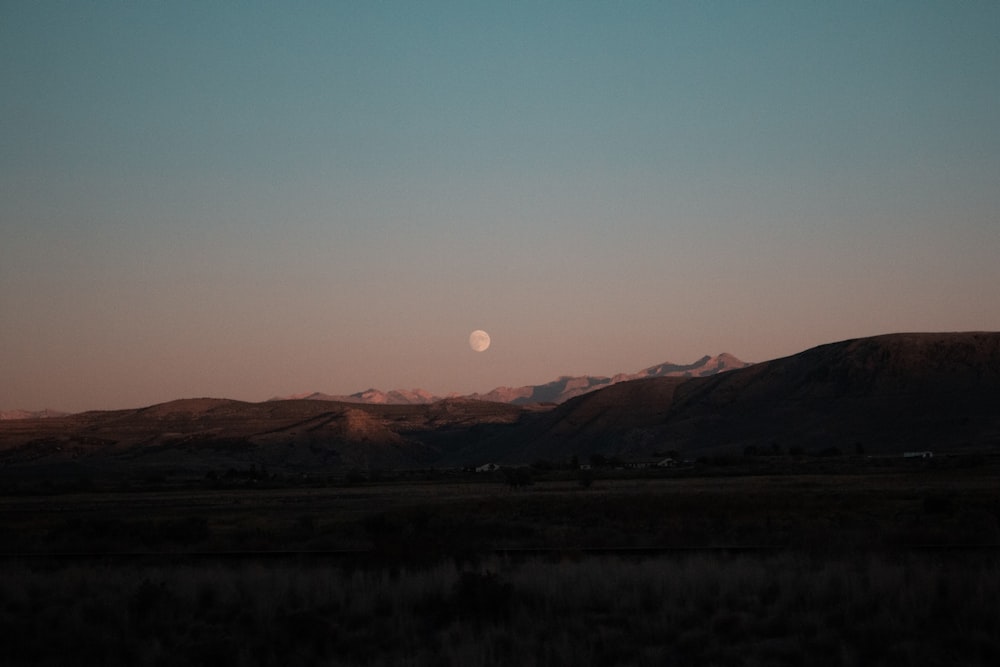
[(245, 200)]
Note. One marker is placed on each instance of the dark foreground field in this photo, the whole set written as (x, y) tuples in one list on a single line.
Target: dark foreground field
[(705, 608), (895, 567)]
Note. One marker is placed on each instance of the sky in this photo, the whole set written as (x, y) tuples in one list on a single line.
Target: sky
[(257, 199)]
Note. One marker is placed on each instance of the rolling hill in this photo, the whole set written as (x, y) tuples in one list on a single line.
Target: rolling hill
[(880, 395), (212, 434)]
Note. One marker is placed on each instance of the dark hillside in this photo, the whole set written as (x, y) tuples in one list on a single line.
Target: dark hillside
[(880, 395), (616, 420), (211, 434), (886, 394)]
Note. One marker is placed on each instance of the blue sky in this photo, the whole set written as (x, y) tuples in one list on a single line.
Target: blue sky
[(247, 199)]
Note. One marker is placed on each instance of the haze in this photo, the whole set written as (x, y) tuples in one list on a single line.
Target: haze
[(248, 200)]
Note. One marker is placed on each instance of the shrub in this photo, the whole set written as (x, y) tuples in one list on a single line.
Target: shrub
[(699, 609)]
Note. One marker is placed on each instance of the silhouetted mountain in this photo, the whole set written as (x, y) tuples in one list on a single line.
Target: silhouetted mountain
[(886, 393), (882, 394), (597, 422), (208, 433)]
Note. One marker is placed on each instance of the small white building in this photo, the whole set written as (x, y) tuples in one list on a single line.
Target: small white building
[(918, 455), (488, 467)]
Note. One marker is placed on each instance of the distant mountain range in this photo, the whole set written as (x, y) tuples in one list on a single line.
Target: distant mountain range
[(557, 391), (880, 395)]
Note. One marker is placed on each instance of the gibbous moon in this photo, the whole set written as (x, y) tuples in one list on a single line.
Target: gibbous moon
[(479, 340)]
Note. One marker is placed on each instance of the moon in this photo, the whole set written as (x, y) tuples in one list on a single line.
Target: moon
[(479, 340)]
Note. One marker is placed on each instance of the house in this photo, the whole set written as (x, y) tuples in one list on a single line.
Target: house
[(918, 455), (488, 467), (668, 462)]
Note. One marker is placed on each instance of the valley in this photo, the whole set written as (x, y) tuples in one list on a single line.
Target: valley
[(786, 522)]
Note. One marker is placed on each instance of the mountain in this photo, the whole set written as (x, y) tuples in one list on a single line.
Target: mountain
[(885, 393), (597, 422), (557, 391), (373, 396), (702, 368), (882, 394), (567, 387), (216, 434)]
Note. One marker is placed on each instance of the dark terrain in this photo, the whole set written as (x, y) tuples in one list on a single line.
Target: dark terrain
[(882, 395), (791, 531), (839, 563), (878, 396)]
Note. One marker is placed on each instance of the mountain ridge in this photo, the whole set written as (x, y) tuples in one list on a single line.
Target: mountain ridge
[(880, 395), (557, 391)]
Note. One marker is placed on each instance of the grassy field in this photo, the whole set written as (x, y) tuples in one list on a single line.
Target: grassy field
[(894, 567), (781, 609), (481, 514)]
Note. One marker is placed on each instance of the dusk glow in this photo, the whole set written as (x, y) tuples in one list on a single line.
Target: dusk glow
[(247, 200)]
